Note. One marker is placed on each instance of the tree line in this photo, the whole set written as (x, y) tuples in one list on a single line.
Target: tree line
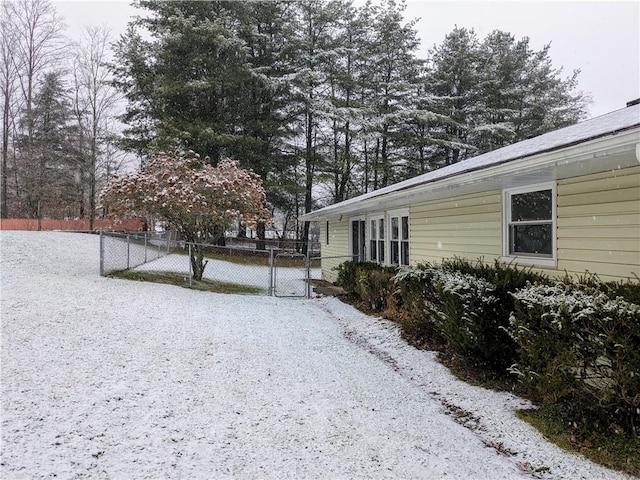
[(323, 99), (59, 134)]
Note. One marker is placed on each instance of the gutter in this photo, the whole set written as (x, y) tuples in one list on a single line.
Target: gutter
[(373, 195)]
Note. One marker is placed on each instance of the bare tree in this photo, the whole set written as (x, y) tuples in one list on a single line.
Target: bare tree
[(94, 102), (38, 47), (8, 84)]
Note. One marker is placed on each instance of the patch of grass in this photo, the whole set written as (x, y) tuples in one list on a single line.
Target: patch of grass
[(615, 450), (251, 257), (180, 280)]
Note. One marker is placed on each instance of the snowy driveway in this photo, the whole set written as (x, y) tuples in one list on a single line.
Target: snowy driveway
[(105, 378)]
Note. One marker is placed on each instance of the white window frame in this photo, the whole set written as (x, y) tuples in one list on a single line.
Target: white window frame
[(377, 218), (398, 214), (363, 255), (531, 259)]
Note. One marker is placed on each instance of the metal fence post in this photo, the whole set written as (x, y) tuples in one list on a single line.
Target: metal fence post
[(271, 273), (101, 253), (307, 264), (145, 247), (190, 272), (128, 251)]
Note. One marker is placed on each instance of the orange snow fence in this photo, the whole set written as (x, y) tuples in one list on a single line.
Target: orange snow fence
[(77, 225)]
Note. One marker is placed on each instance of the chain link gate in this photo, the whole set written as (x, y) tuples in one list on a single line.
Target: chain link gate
[(290, 273)]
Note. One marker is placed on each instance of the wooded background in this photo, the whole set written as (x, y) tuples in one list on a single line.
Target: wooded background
[(323, 99)]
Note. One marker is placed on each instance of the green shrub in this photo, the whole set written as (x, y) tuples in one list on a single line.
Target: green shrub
[(476, 305), (579, 348), (629, 290), (349, 274), (420, 303), (368, 281), (376, 286), (468, 319), (347, 277)]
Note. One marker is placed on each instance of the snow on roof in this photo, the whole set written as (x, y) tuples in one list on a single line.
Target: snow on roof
[(603, 125)]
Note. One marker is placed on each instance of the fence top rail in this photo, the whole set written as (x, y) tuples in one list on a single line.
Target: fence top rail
[(332, 257)]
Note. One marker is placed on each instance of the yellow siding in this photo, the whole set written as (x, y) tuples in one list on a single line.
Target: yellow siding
[(598, 228), (599, 224), (338, 246), (469, 226)]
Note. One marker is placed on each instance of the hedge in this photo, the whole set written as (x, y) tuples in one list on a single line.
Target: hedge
[(580, 349), (573, 344)]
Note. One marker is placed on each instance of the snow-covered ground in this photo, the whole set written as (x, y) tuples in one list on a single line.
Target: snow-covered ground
[(106, 378)]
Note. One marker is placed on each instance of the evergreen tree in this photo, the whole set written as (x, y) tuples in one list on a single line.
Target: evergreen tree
[(496, 92), (50, 179), (522, 94), (266, 29), (311, 54), (347, 110), (321, 94), (453, 78), (396, 72)]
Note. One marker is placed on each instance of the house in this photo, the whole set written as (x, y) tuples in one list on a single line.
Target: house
[(565, 201)]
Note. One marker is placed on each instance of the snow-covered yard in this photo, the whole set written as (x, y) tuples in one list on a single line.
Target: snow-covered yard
[(106, 378)]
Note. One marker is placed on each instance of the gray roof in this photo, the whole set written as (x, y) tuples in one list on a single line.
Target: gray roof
[(604, 125)]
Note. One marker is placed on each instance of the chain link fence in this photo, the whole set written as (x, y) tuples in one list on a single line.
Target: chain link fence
[(326, 270), (124, 251), (269, 267)]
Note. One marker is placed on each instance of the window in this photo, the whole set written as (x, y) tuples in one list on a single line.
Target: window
[(530, 224), (376, 242), (399, 239)]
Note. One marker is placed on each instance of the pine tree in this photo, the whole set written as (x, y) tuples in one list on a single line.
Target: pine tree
[(186, 86), (396, 72), (522, 94), (453, 79), (50, 177), (347, 110), (266, 29)]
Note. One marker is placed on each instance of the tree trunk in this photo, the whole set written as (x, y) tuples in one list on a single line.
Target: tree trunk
[(198, 263), (261, 231), (4, 212)]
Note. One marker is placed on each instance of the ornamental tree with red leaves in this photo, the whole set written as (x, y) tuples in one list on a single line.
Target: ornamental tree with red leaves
[(200, 200)]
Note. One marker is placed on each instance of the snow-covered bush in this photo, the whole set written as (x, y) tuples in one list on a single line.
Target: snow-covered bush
[(467, 303), (467, 318), (580, 349), (476, 305), (420, 303)]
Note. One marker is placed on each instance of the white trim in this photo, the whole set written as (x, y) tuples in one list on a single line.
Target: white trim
[(377, 217), (399, 214), (357, 218), (530, 260)]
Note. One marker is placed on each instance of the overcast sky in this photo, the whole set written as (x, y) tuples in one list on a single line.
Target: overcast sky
[(601, 38)]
